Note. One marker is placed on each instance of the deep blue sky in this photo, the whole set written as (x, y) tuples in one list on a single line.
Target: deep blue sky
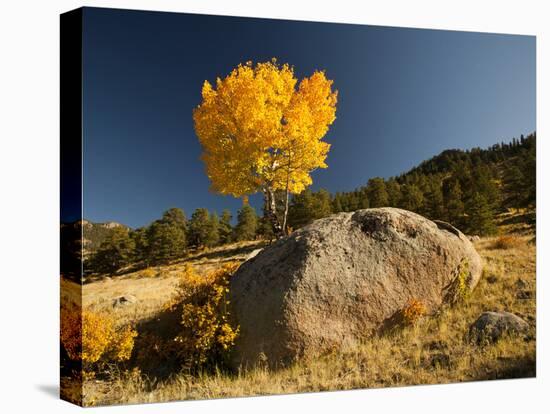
[(404, 96)]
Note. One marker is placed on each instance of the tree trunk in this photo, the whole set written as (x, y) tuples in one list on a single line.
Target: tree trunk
[(287, 192), (285, 229), (270, 212)]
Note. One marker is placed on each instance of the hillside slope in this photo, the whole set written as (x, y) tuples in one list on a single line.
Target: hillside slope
[(435, 350)]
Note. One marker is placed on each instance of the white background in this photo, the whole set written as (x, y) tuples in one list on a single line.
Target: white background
[(29, 193)]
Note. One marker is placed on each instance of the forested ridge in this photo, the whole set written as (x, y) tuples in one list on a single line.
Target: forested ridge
[(465, 188)]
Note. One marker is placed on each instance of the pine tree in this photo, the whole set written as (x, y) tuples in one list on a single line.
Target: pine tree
[(115, 252), (412, 198), (141, 242), (166, 242), (530, 178), (394, 193), (225, 228), (434, 204), (376, 190), (200, 228), (454, 205), (247, 223), (308, 206), (480, 216), (299, 212), (354, 203), (482, 182), (175, 217), (166, 239), (213, 238), (514, 180), (337, 203), (363, 198), (264, 229), (322, 206)]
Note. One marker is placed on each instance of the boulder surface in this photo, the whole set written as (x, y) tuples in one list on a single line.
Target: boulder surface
[(491, 326), (343, 278)]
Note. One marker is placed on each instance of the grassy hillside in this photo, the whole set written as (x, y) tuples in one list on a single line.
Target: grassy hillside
[(435, 350)]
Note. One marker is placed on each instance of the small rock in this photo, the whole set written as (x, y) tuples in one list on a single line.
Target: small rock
[(437, 345), (473, 238), (491, 326), (440, 360), (124, 300), (525, 294), (521, 284), (492, 279)]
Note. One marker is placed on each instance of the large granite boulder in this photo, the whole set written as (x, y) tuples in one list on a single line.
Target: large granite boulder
[(340, 279)]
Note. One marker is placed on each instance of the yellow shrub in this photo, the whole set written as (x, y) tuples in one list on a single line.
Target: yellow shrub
[(463, 288), (97, 331), (92, 337), (207, 332), (414, 310), (459, 289), (122, 343), (149, 272)]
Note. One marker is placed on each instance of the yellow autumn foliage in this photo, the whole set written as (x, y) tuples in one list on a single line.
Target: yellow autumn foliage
[(462, 281), (207, 329), (71, 331), (259, 130), (149, 273), (93, 337), (414, 310)]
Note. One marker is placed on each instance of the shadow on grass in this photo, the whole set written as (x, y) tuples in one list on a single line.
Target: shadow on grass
[(153, 354), (525, 367), (214, 256), (236, 251), (529, 218)]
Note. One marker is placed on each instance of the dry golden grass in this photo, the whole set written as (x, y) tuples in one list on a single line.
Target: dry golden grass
[(70, 293), (433, 350)]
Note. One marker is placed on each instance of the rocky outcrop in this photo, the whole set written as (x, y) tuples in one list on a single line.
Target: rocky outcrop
[(343, 278)]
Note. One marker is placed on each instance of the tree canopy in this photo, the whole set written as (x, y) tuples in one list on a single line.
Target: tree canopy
[(262, 131)]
